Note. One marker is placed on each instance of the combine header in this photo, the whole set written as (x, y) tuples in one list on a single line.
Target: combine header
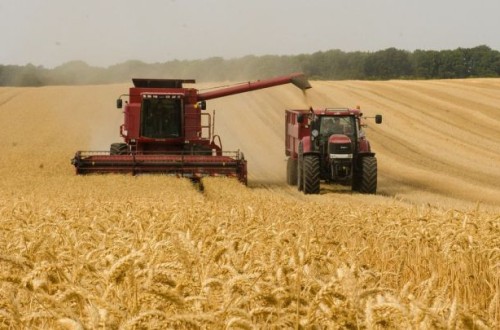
[(165, 131)]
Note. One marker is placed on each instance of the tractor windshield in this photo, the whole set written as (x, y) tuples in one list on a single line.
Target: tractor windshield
[(337, 125), (161, 117)]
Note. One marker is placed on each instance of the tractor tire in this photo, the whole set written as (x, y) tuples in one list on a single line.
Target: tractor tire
[(118, 149), (291, 171), (367, 181), (311, 174)]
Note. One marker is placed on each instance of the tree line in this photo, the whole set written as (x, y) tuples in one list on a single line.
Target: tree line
[(391, 63)]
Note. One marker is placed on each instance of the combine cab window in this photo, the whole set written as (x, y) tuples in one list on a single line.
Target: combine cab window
[(161, 117)]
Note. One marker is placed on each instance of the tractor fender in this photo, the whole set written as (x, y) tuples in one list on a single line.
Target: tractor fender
[(364, 146), (366, 154), (307, 146)]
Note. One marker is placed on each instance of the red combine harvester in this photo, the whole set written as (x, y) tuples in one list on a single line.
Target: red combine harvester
[(165, 131), (329, 145)]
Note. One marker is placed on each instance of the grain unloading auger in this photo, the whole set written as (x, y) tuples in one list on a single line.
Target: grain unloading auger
[(165, 131)]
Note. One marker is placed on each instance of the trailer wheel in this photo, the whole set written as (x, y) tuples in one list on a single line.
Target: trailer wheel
[(300, 173), (367, 181), (300, 168), (311, 174), (118, 149), (291, 171)]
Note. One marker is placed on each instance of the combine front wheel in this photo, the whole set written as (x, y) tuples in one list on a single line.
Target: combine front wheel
[(311, 174), (118, 149)]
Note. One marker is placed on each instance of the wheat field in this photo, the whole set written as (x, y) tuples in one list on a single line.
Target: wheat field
[(146, 252)]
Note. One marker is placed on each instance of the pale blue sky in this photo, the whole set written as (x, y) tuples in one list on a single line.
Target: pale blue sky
[(106, 32)]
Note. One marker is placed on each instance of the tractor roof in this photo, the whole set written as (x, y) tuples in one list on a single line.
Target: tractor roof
[(336, 112)]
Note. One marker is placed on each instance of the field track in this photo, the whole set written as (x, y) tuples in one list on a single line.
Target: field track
[(120, 251)]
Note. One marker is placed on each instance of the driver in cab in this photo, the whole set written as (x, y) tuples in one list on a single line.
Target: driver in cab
[(333, 126)]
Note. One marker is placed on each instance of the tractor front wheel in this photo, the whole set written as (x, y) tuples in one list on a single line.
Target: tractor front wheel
[(311, 174), (366, 181)]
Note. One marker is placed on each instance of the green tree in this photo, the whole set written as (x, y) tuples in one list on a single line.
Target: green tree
[(452, 64), (390, 63), (481, 61), (426, 64)]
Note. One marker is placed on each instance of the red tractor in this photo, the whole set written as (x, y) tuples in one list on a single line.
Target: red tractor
[(165, 131), (329, 145)]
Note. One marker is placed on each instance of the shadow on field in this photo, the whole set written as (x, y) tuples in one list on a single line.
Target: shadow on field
[(324, 188), (335, 189)]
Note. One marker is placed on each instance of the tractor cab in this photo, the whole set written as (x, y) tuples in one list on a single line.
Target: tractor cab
[(330, 125), (334, 137), (334, 126)]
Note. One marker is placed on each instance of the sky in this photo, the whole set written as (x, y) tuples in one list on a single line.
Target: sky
[(101, 33)]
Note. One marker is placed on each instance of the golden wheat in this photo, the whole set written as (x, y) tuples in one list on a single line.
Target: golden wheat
[(117, 251)]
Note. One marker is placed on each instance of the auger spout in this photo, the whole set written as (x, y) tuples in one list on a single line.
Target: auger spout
[(297, 79)]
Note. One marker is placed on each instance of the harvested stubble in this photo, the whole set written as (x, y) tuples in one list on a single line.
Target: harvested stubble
[(102, 256)]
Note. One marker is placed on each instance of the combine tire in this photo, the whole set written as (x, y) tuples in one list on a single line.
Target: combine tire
[(118, 149), (291, 171), (311, 174), (367, 181)]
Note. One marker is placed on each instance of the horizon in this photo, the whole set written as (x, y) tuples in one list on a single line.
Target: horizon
[(228, 59)]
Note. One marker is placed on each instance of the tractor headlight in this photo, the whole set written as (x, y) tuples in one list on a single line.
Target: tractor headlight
[(315, 133)]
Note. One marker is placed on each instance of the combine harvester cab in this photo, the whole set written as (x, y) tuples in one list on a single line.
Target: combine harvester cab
[(165, 131), (329, 145)]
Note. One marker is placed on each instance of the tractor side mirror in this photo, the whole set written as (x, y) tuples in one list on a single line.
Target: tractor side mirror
[(378, 119), (119, 103)]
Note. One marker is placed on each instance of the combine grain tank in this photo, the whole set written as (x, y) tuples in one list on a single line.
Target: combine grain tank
[(329, 145), (166, 131)]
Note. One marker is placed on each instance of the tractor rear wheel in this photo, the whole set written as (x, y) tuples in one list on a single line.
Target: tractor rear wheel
[(311, 174), (367, 180), (118, 149), (291, 171)]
